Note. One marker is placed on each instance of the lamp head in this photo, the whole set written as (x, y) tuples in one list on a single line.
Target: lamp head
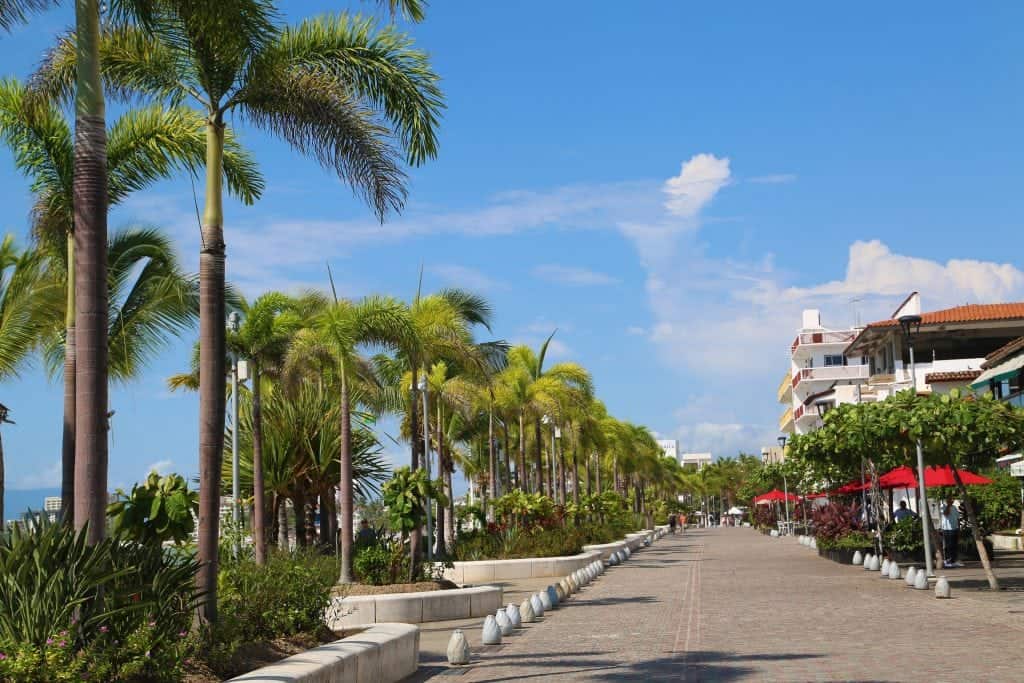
[(782, 441), (910, 324)]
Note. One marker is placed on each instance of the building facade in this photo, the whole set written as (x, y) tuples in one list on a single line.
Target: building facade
[(695, 461), (670, 447)]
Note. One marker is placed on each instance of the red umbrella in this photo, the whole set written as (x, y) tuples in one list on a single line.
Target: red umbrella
[(814, 496), (852, 487), (905, 478), (773, 496)]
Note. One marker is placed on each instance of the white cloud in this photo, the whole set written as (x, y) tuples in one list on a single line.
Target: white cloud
[(465, 277), (47, 477), (635, 331), (573, 275), (161, 467), (773, 179), (696, 185)]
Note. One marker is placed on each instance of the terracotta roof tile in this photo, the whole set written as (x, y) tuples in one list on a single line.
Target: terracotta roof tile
[(1003, 352), (965, 314), (955, 376)]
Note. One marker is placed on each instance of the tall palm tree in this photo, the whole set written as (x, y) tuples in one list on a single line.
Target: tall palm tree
[(335, 88), (143, 146), (268, 325), (25, 296), (345, 326)]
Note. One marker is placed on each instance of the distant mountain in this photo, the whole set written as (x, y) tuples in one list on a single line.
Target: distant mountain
[(17, 502)]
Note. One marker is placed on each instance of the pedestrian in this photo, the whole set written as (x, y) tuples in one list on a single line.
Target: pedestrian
[(903, 512), (950, 533), (672, 522), (366, 537)]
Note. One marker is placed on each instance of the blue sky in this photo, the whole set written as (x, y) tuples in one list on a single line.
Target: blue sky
[(668, 185)]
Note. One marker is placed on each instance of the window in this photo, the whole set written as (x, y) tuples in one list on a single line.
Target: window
[(835, 360)]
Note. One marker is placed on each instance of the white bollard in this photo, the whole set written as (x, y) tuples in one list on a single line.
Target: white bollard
[(894, 570), (526, 613), (552, 596), (458, 649), (858, 559), (538, 605), (504, 623), (911, 575), (885, 566), (921, 580), (513, 615), (942, 589), (613, 559), (875, 564), (867, 562), (491, 633)]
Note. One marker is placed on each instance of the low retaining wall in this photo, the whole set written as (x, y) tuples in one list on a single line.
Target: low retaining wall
[(415, 608), (383, 653), (605, 550), (483, 571), (1004, 542)]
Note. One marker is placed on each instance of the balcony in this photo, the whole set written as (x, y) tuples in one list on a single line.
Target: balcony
[(806, 339), (834, 373), (810, 412), (785, 391), (786, 421)]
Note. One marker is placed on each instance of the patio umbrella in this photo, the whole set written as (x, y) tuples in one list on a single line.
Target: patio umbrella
[(774, 496), (852, 487), (814, 496), (905, 478)]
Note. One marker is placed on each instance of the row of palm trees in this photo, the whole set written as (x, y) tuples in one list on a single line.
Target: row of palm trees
[(358, 99)]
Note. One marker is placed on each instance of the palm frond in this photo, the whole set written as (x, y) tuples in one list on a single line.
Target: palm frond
[(17, 11), (22, 305)]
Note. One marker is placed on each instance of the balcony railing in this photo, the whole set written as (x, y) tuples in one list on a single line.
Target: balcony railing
[(786, 419), (808, 412), (785, 387), (833, 373), (823, 337)]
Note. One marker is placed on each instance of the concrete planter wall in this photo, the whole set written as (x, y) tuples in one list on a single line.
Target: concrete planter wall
[(383, 653), (415, 608), (1002, 542), (842, 555), (605, 550), (484, 571)]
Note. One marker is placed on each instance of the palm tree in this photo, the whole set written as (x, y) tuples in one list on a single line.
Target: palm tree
[(25, 297), (345, 326), (268, 325), (143, 146), (335, 88)]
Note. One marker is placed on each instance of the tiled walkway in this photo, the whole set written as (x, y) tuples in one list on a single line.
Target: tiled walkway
[(730, 604)]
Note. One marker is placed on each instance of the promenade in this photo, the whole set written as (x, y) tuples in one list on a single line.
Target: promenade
[(732, 605)]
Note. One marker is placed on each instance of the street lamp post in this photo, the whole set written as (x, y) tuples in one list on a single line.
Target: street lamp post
[(426, 459), (911, 325), (235, 486), (785, 486)]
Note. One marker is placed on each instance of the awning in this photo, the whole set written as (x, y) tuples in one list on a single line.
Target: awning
[(1004, 370)]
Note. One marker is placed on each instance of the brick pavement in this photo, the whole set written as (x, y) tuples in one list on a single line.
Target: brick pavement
[(730, 604)]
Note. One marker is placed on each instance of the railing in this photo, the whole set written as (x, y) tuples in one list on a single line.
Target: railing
[(785, 419), (838, 337), (807, 411), (785, 387), (832, 373)]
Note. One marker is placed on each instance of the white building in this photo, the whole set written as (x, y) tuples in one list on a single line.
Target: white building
[(695, 461), (830, 367), (670, 447)]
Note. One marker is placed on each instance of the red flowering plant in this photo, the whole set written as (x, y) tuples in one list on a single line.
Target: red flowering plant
[(835, 522)]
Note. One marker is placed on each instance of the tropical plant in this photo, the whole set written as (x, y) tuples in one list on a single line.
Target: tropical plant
[(335, 88), (406, 496), (161, 509)]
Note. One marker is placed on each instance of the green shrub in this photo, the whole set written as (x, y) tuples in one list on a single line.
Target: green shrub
[(285, 596), (513, 543), (853, 540), (380, 564), (114, 611), (905, 536), (161, 509)]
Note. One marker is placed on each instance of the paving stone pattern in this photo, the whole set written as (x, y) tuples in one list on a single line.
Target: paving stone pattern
[(730, 604)]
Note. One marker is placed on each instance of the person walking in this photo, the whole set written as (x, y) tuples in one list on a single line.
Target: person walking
[(950, 534), (672, 523)]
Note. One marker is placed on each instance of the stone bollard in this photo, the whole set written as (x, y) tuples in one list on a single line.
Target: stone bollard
[(458, 649), (858, 559), (560, 591), (526, 613), (814, 544), (513, 615), (942, 589), (867, 562), (537, 604), (894, 570), (504, 623), (491, 634), (552, 594), (628, 553), (875, 564), (921, 580), (885, 566), (613, 559), (565, 589), (911, 575)]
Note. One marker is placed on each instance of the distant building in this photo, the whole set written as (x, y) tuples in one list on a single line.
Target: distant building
[(1003, 374), (695, 461), (670, 447), (52, 506), (772, 455)]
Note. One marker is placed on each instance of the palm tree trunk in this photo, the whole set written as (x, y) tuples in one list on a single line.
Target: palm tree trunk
[(299, 507), (3, 485), (416, 446), (282, 523), (590, 489), (67, 450), (538, 458), (90, 220), (507, 459), (441, 524), (345, 482), (597, 471), (561, 473), (576, 474), (212, 369), (273, 537), (259, 529), (491, 462), (521, 478)]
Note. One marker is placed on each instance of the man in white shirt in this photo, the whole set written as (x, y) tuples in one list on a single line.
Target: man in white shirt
[(950, 533)]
